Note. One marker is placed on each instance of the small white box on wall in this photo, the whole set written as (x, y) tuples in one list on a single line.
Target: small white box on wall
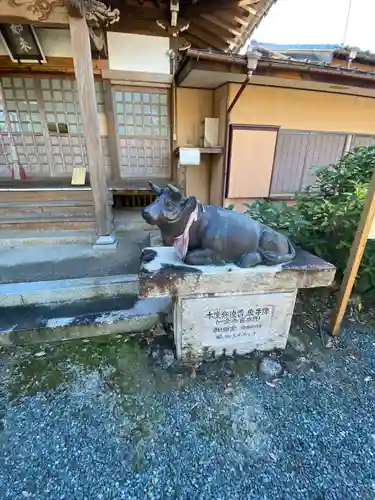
[(210, 132), (138, 53), (189, 156)]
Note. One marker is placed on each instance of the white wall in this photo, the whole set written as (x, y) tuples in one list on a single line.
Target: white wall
[(3, 51), (141, 53), (126, 51), (55, 42)]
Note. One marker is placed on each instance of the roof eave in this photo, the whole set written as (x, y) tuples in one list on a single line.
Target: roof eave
[(237, 61), (253, 24)]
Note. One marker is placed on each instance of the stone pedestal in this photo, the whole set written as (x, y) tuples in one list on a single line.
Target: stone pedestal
[(229, 309)]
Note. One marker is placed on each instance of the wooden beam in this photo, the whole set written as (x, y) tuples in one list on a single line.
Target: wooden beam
[(184, 70), (250, 10), (209, 40), (229, 17), (54, 65), (242, 13), (141, 26), (80, 39), (209, 32), (34, 11), (242, 21), (355, 257), (215, 20), (144, 12), (246, 5), (196, 41), (224, 12), (193, 10), (54, 12)]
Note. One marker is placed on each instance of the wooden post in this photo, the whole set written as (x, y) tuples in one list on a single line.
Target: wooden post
[(113, 137), (80, 38), (355, 257), (348, 143)]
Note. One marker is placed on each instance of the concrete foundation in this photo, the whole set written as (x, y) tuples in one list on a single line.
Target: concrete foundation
[(228, 308), (82, 319), (67, 290), (106, 243)]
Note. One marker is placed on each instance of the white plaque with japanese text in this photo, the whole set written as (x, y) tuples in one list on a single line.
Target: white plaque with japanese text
[(240, 323)]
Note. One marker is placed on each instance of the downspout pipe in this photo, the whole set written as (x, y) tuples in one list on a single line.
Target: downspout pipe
[(252, 58), (238, 95)]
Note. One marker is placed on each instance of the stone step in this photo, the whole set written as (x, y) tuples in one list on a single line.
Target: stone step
[(47, 223), (130, 220), (18, 239), (82, 319), (67, 290)]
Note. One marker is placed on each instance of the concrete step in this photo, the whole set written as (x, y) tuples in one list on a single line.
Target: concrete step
[(69, 262), (82, 319), (130, 220), (67, 290), (19, 239)]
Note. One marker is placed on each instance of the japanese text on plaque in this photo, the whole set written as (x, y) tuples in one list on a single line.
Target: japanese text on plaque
[(232, 323)]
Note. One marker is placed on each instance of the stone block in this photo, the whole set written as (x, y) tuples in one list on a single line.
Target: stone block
[(227, 308), (232, 323)]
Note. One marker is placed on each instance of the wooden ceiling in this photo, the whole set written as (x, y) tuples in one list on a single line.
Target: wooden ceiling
[(221, 25)]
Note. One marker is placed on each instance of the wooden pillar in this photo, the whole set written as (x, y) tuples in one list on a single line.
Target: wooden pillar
[(113, 137), (80, 39)]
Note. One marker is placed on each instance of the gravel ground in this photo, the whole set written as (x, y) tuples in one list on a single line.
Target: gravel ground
[(105, 421)]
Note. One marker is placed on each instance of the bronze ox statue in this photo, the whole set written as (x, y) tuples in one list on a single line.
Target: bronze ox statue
[(204, 234)]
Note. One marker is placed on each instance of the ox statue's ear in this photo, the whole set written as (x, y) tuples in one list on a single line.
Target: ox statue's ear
[(175, 192), (155, 188)]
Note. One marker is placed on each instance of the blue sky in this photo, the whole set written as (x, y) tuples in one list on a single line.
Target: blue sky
[(319, 21)]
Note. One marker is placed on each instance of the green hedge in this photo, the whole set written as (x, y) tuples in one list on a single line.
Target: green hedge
[(325, 218)]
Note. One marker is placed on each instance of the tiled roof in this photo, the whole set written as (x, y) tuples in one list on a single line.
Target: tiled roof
[(303, 47), (364, 57), (287, 62), (323, 65)]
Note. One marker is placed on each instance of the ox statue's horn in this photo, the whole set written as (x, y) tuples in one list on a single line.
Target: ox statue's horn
[(176, 193), (155, 188)]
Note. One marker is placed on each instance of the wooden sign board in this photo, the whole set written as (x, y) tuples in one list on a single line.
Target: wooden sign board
[(21, 43), (365, 231)]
